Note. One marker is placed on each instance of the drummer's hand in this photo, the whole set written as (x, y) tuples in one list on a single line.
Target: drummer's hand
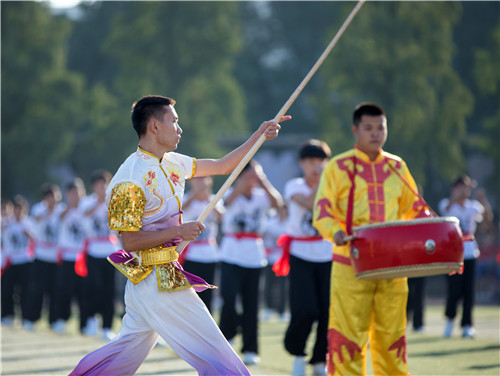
[(339, 238), (481, 195)]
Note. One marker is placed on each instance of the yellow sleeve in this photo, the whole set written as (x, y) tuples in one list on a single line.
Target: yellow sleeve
[(326, 200), (126, 207), (194, 169)]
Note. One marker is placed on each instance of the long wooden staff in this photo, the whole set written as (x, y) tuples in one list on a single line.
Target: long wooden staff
[(262, 138)]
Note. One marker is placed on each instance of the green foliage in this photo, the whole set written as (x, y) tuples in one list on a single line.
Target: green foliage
[(68, 84), (118, 52), (283, 40), (486, 137), (399, 55), (39, 98), (182, 50)]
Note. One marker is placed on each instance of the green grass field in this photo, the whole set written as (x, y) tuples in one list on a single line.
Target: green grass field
[(429, 354)]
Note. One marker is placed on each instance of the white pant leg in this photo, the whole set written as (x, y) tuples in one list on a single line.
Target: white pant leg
[(126, 352), (183, 321)]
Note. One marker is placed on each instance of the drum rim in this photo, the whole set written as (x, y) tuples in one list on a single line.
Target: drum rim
[(443, 267), (409, 222)]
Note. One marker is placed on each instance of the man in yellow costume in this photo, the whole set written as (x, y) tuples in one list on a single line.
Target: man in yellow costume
[(361, 186)]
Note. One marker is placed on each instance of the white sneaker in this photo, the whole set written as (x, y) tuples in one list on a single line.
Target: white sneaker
[(266, 314), (7, 321), (250, 358), (59, 326), (161, 342), (420, 329), (299, 366), (28, 325), (91, 327), (285, 317), (108, 335), (469, 332), (319, 369), (448, 329)]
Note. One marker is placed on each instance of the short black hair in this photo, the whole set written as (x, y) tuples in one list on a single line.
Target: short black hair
[(76, 183), (314, 149), (248, 166), (147, 107), (20, 202), (100, 175), (49, 189), (252, 163), (366, 108), (465, 180)]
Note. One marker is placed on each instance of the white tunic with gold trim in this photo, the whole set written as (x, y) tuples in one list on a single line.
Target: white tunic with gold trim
[(146, 194)]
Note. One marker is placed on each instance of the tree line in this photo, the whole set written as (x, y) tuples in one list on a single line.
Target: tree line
[(68, 82)]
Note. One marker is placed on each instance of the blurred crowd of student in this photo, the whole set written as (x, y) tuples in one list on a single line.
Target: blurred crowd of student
[(54, 257)]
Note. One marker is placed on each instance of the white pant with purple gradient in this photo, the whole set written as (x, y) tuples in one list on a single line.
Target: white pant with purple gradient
[(180, 318)]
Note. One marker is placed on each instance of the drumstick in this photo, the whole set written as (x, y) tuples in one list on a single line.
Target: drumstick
[(278, 116), (349, 238)]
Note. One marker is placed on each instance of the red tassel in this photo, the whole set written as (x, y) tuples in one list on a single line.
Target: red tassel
[(6, 265), (81, 260), (30, 251), (59, 258), (282, 266), (81, 264)]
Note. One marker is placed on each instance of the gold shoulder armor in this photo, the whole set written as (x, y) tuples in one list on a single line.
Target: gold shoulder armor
[(126, 207)]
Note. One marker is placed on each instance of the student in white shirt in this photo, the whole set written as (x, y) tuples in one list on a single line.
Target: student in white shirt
[(310, 262), (470, 212), (72, 234), (17, 258), (99, 244), (275, 288), (46, 215), (243, 254), (201, 255)]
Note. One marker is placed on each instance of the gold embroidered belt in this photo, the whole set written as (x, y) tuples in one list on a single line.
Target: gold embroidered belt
[(168, 276), (156, 256)]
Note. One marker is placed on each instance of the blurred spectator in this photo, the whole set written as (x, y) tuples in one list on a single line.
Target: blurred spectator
[(7, 216), (7, 212), (17, 257), (70, 286), (99, 244), (462, 286), (46, 215), (416, 303), (275, 289), (201, 255), (309, 258), (243, 255)]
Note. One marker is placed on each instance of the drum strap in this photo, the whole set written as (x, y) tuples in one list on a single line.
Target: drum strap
[(350, 202), (410, 187)]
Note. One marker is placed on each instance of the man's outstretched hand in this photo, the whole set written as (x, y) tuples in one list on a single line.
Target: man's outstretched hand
[(270, 128)]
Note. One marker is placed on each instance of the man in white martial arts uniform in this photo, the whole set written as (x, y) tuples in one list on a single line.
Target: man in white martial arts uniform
[(145, 199)]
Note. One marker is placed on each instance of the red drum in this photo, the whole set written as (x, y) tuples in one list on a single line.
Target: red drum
[(414, 248)]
